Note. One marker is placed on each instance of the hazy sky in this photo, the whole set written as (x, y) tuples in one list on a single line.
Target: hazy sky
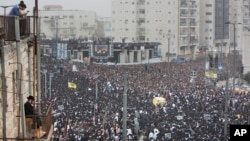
[(101, 7)]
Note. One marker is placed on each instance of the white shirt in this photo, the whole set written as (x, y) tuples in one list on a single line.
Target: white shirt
[(156, 132)]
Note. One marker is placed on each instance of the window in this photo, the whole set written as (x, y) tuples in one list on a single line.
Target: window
[(71, 17), (208, 5), (208, 13), (142, 11), (208, 21)]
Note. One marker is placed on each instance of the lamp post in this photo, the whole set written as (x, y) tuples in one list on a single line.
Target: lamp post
[(45, 83), (124, 116), (51, 75), (234, 55), (168, 36)]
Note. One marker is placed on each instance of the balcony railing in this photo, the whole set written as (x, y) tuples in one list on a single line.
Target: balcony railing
[(8, 27), (46, 122)]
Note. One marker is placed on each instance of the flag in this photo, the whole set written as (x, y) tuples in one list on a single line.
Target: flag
[(238, 116), (211, 75), (71, 85)]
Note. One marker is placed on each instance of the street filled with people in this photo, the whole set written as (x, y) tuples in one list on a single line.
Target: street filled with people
[(92, 110)]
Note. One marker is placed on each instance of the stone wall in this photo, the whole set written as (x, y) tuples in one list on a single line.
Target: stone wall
[(11, 67)]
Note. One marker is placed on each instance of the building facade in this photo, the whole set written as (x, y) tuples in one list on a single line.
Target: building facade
[(240, 16), (67, 24), (170, 22), (17, 91)]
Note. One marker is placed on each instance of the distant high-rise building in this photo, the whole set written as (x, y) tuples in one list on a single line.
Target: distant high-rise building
[(240, 15), (214, 32), (172, 23)]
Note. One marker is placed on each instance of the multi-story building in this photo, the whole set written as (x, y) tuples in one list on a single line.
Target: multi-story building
[(67, 24), (19, 79), (189, 27), (240, 30), (171, 22), (104, 26), (214, 32)]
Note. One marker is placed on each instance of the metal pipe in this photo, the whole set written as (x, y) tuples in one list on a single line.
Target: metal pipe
[(50, 78), (45, 84), (226, 106), (124, 117), (19, 75), (234, 57), (96, 91), (39, 69), (4, 91), (29, 68), (168, 47)]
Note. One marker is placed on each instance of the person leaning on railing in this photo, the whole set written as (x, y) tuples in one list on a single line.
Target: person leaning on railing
[(31, 114), (18, 10), (30, 111)]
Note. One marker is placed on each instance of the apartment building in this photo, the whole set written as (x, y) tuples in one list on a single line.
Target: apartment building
[(214, 32), (189, 27), (173, 23), (67, 24), (240, 16), (105, 26)]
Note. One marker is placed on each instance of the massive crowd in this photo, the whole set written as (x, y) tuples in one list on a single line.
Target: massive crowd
[(194, 109)]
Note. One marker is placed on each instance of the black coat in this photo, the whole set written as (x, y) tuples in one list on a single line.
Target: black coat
[(28, 108)]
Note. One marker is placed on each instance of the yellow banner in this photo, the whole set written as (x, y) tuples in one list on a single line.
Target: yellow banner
[(71, 85), (211, 75)]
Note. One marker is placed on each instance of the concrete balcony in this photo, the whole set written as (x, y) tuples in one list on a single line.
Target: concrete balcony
[(8, 28)]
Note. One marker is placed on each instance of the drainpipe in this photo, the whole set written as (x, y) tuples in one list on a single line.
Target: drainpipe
[(29, 68), (4, 92), (19, 76)]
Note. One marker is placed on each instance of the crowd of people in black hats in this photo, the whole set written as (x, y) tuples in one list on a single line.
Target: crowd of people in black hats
[(194, 110)]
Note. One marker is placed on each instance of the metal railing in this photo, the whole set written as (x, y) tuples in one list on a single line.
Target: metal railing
[(8, 27)]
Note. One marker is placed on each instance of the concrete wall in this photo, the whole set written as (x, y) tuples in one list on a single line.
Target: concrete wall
[(12, 95)]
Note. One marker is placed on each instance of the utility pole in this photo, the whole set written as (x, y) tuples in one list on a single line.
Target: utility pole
[(124, 117), (50, 79), (234, 54), (226, 106), (168, 36), (96, 91), (45, 83)]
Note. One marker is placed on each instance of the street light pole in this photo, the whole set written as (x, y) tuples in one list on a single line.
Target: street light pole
[(50, 78), (45, 83), (168, 35), (234, 55), (124, 117)]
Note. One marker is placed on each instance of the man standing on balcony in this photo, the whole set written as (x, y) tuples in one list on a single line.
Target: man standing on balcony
[(30, 113), (18, 10)]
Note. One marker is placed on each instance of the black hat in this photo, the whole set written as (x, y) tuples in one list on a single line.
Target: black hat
[(22, 4), (30, 98)]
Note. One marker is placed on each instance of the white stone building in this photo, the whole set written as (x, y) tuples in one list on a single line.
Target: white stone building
[(157, 21), (67, 24), (240, 15)]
